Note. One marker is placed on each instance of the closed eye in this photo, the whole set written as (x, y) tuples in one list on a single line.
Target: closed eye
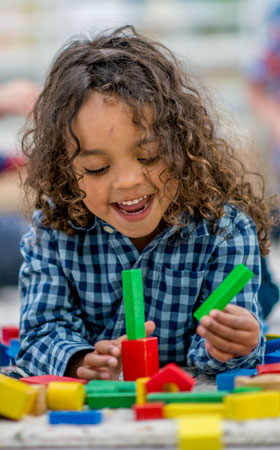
[(97, 171)]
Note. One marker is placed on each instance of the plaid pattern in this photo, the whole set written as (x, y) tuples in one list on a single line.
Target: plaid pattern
[(71, 289)]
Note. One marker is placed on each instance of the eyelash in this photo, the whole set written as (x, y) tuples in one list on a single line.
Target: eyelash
[(144, 161)]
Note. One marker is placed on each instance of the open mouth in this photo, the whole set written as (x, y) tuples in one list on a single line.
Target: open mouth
[(134, 207)]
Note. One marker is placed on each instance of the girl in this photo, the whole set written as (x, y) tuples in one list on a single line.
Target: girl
[(126, 171)]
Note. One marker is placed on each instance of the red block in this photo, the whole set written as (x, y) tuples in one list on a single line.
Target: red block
[(152, 410), (8, 333), (46, 379), (171, 373), (139, 358), (268, 368)]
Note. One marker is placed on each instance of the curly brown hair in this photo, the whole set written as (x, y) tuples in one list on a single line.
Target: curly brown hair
[(139, 71)]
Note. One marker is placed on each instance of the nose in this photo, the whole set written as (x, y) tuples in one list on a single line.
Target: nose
[(128, 176)]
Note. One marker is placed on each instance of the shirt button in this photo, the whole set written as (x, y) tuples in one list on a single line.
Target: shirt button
[(108, 229)]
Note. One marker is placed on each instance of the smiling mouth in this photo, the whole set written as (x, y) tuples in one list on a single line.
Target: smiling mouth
[(134, 208)]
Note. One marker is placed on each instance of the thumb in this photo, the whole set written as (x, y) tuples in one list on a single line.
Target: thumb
[(149, 328)]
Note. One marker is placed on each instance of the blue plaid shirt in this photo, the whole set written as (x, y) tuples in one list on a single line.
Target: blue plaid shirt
[(71, 289)]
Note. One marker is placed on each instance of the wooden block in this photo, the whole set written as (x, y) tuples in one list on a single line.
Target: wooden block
[(16, 398), (187, 397), (252, 405), (244, 389), (226, 291), (148, 411), (133, 304), (8, 333), (225, 380), (101, 400), (268, 381), (141, 390), (46, 379), (269, 336), (40, 404), (200, 433), (4, 358), (139, 358), (110, 386), (75, 417), (171, 373), (185, 409), (272, 345), (268, 368), (270, 358), (65, 396)]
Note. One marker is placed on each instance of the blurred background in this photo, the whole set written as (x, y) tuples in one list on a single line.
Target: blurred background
[(227, 43)]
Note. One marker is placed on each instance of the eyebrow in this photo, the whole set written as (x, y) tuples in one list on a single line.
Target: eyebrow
[(95, 151)]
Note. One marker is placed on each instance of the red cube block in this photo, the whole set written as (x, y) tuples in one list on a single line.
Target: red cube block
[(8, 333), (139, 358), (152, 410), (268, 368)]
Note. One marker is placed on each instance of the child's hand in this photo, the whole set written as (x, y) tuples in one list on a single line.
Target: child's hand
[(105, 361), (229, 333)]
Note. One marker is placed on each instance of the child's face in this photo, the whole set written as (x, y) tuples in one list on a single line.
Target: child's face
[(111, 162)]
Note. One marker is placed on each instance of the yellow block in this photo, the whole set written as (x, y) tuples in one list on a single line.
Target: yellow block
[(16, 398), (269, 337), (268, 381), (141, 390), (185, 409), (200, 433), (65, 396), (253, 405)]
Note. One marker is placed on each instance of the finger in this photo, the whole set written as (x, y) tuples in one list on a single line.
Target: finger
[(107, 347), (217, 354), (238, 322), (91, 374), (224, 331), (222, 344), (149, 327), (96, 360), (235, 309)]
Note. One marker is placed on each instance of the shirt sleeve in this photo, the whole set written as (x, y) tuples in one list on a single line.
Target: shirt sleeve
[(241, 246), (51, 326)]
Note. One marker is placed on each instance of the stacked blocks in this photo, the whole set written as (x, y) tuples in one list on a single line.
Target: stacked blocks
[(139, 354)]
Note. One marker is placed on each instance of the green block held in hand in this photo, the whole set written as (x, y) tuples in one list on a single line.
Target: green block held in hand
[(226, 291), (133, 303)]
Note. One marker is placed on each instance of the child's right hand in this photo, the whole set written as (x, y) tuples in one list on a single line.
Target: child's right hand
[(105, 361)]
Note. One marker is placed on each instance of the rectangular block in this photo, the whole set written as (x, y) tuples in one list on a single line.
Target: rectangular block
[(225, 380), (148, 411), (252, 405), (40, 404), (16, 398), (110, 400), (141, 390), (267, 381), (133, 304), (110, 386), (200, 433), (268, 368), (185, 409), (46, 379), (226, 291), (272, 345), (140, 358), (75, 417), (187, 397), (269, 336), (270, 358)]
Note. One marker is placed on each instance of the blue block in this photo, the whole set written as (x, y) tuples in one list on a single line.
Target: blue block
[(272, 346), (91, 417), (225, 380), (13, 350), (4, 358), (272, 357)]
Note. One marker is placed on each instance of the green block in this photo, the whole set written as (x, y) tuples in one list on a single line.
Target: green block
[(133, 303), (110, 386), (245, 389), (101, 400), (226, 291), (185, 397)]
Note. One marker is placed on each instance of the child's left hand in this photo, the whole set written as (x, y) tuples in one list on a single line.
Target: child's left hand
[(229, 333)]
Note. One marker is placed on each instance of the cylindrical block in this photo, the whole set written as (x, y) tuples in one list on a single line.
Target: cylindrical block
[(65, 396), (140, 358)]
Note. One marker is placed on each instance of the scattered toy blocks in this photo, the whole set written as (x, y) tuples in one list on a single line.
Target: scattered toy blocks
[(133, 304), (65, 396), (185, 409), (140, 358), (187, 397), (46, 379), (226, 291), (252, 405), (17, 398), (225, 380), (101, 400), (75, 417), (148, 411), (200, 432), (171, 373)]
